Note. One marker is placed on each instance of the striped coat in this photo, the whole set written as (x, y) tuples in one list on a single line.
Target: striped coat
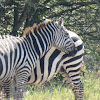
[(18, 56), (55, 61)]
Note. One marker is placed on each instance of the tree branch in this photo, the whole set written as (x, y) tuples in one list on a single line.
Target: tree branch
[(45, 2), (93, 36), (21, 20), (68, 4), (63, 12), (64, 3), (15, 14)]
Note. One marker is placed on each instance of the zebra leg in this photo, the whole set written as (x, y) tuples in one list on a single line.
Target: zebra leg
[(13, 83), (66, 77), (74, 83), (78, 90), (1, 92), (6, 89), (21, 80), (77, 85)]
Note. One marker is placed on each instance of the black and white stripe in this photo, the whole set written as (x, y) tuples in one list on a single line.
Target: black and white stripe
[(18, 55), (55, 61)]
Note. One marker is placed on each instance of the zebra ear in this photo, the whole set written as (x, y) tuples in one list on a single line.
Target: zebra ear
[(45, 19), (60, 21)]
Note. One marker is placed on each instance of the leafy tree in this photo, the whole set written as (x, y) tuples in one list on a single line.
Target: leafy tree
[(80, 16)]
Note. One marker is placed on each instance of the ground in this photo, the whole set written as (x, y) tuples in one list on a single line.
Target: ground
[(55, 91)]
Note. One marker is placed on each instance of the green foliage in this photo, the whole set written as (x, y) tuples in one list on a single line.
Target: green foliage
[(80, 16)]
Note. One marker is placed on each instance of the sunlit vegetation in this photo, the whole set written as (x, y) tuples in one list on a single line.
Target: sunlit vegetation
[(55, 91), (80, 16)]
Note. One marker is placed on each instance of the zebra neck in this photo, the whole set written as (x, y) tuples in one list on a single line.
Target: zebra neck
[(40, 41)]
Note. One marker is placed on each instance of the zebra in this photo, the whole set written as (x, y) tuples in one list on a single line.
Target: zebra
[(55, 61), (18, 55)]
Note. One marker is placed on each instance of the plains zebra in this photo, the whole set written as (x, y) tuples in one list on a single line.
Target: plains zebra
[(18, 55), (55, 61)]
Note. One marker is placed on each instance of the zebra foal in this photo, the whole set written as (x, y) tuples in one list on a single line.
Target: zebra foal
[(55, 61), (18, 56)]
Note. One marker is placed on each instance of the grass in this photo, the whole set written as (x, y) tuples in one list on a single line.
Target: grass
[(92, 87), (54, 95), (53, 90)]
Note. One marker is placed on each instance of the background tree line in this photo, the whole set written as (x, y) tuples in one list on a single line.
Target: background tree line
[(80, 16)]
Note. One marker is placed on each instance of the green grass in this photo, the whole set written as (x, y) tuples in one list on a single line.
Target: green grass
[(92, 87), (56, 94), (53, 90)]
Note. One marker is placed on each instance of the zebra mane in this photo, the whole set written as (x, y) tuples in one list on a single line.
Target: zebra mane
[(35, 27)]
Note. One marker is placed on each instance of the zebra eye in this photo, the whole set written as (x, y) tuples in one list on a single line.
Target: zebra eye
[(66, 34)]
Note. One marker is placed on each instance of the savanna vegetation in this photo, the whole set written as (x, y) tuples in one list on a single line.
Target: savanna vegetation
[(80, 16)]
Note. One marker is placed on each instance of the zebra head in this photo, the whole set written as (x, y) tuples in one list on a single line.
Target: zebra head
[(62, 39)]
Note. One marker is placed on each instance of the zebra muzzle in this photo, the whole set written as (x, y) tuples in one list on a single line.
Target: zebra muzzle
[(73, 51)]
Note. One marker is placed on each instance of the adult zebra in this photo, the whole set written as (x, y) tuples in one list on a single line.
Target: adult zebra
[(18, 56), (55, 61)]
